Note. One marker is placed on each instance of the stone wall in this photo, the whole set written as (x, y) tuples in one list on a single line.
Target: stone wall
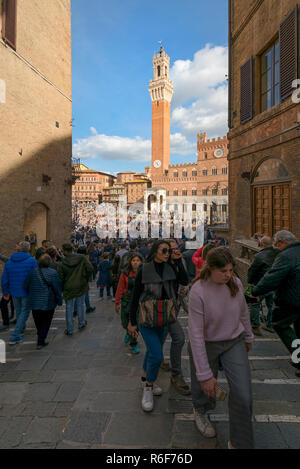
[(35, 122)]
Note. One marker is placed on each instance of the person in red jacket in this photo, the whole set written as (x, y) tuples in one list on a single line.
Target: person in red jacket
[(198, 260), (123, 296)]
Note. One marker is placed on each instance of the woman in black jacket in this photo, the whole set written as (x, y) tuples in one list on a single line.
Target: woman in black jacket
[(159, 279)]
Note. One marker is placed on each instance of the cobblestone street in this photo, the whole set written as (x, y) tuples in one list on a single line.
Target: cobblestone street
[(83, 392)]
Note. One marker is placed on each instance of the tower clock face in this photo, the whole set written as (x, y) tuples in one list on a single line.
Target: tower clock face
[(157, 164), (219, 153)]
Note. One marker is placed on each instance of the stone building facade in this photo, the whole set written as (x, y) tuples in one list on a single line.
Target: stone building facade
[(35, 121), (134, 191), (264, 139), (206, 180), (89, 184)]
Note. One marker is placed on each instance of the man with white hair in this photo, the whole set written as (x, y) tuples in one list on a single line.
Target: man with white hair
[(15, 272), (284, 278), (262, 262)]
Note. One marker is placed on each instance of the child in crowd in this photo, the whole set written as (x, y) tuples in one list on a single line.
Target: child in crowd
[(104, 278), (123, 296)]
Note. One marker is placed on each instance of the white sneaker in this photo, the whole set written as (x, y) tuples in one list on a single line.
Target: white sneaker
[(157, 391), (204, 425), (147, 401)]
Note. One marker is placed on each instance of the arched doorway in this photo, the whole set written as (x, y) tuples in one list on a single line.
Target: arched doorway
[(36, 222), (271, 197)]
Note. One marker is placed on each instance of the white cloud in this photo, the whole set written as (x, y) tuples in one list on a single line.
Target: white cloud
[(200, 93), (108, 147), (116, 148)]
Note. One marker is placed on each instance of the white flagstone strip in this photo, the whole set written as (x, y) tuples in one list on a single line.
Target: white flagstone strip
[(280, 357), (256, 418), (261, 381), (14, 359)]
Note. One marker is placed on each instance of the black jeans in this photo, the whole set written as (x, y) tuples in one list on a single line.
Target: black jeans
[(4, 310), (42, 320), (283, 320)]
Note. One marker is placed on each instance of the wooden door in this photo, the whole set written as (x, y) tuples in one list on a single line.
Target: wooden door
[(271, 208)]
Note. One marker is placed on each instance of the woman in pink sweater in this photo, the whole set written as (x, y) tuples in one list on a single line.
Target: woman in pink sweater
[(220, 331)]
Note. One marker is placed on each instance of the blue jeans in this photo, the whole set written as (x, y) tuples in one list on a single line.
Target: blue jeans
[(101, 291), (154, 340), (22, 314), (80, 313), (87, 302)]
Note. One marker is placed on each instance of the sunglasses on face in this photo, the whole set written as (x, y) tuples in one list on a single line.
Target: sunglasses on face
[(166, 251)]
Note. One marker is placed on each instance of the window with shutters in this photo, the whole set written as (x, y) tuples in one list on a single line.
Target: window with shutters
[(184, 192), (270, 92), (9, 22), (194, 173), (204, 172), (204, 191), (224, 170), (184, 174), (288, 52), (224, 191), (214, 171), (246, 91), (194, 191)]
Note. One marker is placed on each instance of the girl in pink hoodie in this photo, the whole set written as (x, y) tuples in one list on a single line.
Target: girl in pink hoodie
[(220, 331)]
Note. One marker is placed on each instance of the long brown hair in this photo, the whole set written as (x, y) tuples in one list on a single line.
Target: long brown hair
[(218, 258)]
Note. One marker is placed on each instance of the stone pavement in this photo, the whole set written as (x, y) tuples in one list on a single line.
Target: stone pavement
[(83, 392)]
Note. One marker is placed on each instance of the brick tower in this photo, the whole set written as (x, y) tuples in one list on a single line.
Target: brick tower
[(161, 92)]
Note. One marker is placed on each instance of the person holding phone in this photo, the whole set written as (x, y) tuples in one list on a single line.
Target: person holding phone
[(220, 332)]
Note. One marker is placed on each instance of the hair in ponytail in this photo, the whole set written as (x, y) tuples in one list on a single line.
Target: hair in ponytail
[(218, 258)]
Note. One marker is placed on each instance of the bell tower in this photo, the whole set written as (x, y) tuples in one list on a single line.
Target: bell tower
[(161, 92)]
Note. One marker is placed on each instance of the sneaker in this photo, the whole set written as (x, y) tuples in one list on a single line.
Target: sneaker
[(297, 374), (126, 338), (40, 346), (4, 328), (101, 298), (109, 297), (82, 327), (12, 342), (165, 366), (20, 339), (135, 349), (204, 425), (91, 310), (68, 333), (147, 400), (157, 391), (230, 445), (266, 328), (180, 385), (113, 300), (257, 331)]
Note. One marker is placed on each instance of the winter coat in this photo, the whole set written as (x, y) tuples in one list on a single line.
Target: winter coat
[(75, 271), (40, 296), (104, 278), (284, 278), (15, 272), (262, 262)]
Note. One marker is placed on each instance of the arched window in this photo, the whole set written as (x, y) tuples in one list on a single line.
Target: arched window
[(214, 171), (204, 172), (176, 174), (158, 71), (184, 192), (175, 192), (224, 191), (184, 174), (194, 191), (225, 170)]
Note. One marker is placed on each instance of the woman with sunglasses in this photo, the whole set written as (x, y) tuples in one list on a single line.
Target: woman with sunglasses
[(156, 277)]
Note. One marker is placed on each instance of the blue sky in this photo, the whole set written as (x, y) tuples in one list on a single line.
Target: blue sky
[(112, 48)]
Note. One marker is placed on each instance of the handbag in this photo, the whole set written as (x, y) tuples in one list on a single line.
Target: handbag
[(157, 313), (48, 284)]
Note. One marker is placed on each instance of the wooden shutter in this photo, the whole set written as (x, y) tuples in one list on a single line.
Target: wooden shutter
[(288, 55), (9, 22), (247, 91)]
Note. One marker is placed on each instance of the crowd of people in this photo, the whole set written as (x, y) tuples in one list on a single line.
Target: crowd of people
[(148, 282)]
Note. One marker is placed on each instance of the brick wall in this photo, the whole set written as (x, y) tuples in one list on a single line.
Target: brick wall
[(38, 95)]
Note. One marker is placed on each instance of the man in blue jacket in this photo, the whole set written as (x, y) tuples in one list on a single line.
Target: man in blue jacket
[(15, 272)]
